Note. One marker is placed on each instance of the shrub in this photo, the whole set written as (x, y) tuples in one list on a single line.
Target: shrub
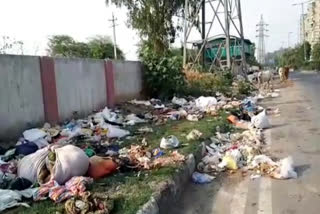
[(208, 84), (163, 74)]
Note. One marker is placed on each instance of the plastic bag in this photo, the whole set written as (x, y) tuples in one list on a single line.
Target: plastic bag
[(202, 178), (132, 119), (34, 134), (285, 169), (261, 121), (179, 101), (115, 132), (169, 142), (205, 102)]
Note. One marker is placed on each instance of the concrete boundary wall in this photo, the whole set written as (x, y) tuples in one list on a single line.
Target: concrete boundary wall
[(21, 103), (128, 80), (34, 90), (81, 86)]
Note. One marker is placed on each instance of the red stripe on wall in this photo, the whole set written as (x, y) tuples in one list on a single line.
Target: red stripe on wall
[(109, 75), (49, 90)]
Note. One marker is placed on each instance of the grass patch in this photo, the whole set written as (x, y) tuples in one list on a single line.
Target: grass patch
[(131, 190)]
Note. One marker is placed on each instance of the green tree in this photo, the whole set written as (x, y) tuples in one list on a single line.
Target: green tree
[(98, 47), (316, 55), (102, 48), (294, 57), (154, 20)]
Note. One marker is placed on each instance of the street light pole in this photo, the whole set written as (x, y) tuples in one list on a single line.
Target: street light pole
[(303, 27)]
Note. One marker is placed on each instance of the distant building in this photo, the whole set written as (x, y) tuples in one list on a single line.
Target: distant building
[(312, 23), (215, 49)]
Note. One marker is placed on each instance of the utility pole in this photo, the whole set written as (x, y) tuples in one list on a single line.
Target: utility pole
[(261, 44), (185, 33), (243, 54), (113, 21), (303, 27), (203, 36), (227, 29)]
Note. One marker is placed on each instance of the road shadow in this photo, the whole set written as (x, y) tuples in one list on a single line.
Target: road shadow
[(278, 125), (301, 169)]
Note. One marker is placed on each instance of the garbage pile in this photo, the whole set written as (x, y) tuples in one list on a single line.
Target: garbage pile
[(244, 150), (64, 159)]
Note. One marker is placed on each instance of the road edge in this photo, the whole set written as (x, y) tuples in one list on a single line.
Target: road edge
[(169, 191)]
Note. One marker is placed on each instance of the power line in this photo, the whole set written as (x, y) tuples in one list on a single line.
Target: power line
[(113, 21)]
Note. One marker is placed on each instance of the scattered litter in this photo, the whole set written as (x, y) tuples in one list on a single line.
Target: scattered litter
[(157, 153), (169, 142), (202, 178), (32, 135), (194, 135), (204, 103), (145, 130), (261, 121), (253, 177), (174, 158), (179, 101), (285, 169), (132, 119), (101, 167), (140, 102)]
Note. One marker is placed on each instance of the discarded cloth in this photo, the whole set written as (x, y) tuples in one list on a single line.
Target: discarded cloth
[(101, 167), (26, 148), (76, 186), (90, 203), (11, 198)]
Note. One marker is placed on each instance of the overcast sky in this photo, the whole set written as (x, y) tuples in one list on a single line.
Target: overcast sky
[(33, 21)]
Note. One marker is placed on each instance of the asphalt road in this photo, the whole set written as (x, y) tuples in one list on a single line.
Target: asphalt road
[(297, 133)]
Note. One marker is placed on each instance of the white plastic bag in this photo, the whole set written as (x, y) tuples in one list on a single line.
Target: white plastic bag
[(285, 169), (205, 102), (115, 132), (261, 121), (179, 101), (132, 119), (34, 134), (169, 142)]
